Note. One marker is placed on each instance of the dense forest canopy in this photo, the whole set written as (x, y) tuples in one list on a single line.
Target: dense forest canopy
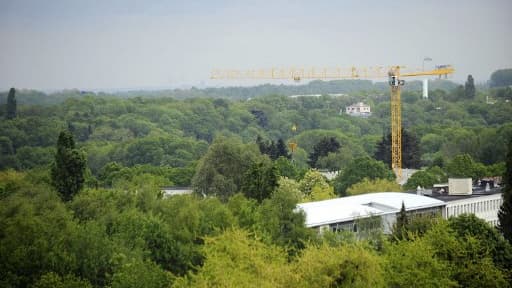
[(109, 225)]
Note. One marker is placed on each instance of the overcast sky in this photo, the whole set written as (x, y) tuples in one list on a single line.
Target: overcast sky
[(101, 44)]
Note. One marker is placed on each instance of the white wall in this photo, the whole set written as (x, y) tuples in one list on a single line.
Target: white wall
[(484, 207)]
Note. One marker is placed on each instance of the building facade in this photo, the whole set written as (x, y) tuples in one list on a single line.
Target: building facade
[(359, 109), (485, 207), (347, 213)]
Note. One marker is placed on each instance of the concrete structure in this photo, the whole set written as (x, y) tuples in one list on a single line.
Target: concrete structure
[(425, 88), (359, 109), (484, 203), (318, 95), (172, 191), (460, 186), (329, 175), (343, 213)]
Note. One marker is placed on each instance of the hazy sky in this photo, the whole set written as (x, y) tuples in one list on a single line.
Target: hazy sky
[(102, 44)]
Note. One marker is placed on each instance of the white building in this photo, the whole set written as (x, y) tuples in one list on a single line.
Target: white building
[(485, 207), (359, 109), (343, 213), (461, 198), (172, 191)]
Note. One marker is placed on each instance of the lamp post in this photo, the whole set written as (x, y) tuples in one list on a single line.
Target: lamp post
[(425, 59)]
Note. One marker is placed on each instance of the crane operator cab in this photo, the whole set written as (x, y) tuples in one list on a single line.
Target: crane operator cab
[(395, 82)]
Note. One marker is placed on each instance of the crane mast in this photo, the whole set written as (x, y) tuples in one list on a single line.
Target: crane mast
[(396, 121), (394, 80)]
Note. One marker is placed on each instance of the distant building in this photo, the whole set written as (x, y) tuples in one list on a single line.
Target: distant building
[(343, 213), (318, 95), (359, 109), (461, 198), (172, 191), (447, 200)]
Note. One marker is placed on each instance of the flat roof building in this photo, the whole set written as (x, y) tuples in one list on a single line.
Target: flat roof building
[(344, 213), (341, 213)]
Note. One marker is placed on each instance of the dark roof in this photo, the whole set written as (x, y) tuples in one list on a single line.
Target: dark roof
[(477, 192)]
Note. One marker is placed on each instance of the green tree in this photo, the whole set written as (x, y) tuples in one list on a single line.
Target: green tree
[(260, 180), (235, 259), (469, 88), (286, 168), (281, 222), (7, 156), (505, 212), (325, 146), (413, 263), (141, 274), (221, 170), (348, 265), (468, 260), (411, 155), (402, 221), (282, 150), (500, 250), (53, 280), (11, 104), (312, 179), (375, 185), (359, 169), (462, 165), (68, 170), (426, 178), (501, 78)]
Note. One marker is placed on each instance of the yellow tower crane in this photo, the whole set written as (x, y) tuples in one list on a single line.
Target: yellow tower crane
[(393, 73)]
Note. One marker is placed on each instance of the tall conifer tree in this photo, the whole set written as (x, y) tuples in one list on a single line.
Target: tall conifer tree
[(68, 170), (505, 213), (11, 104)]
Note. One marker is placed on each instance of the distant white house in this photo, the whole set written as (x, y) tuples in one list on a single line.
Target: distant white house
[(359, 109)]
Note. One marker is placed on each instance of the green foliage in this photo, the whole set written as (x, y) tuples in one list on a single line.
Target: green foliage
[(499, 249), (505, 212), (464, 166), (411, 154), (502, 77), (234, 259), (323, 148), (469, 88), (221, 171), (260, 180), (11, 105), (345, 266), (411, 262), (287, 168), (375, 185), (469, 260), (312, 179), (400, 227), (358, 170), (426, 178), (121, 232), (141, 274), (273, 150), (68, 170), (53, 280), (319, 193), (283, 224), (134, 238)]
